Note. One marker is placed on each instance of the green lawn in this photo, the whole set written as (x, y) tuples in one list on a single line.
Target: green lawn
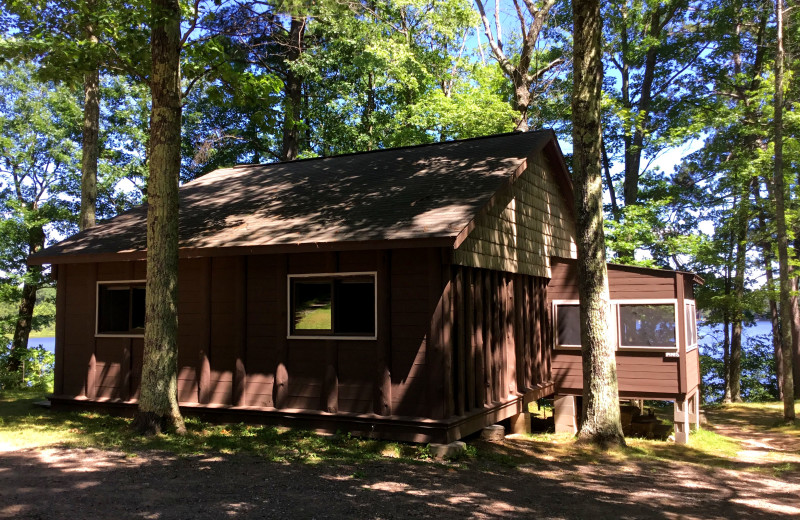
[(316, 318), (25, 425)]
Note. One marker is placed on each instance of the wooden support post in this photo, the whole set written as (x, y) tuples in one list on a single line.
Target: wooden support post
[(91, 369), (681, 418), (447, 341), (383, 383), (545, 326), (434, 352), (566, 414), (520, 328), (240, 302), (680, 335), (478, 339), (61, 310), (204, 361), (488, 341), (330, 383), (512, 350), (469, 337), (280, 390), (530, 333), (125, 370), (460, 333), (521, 423)]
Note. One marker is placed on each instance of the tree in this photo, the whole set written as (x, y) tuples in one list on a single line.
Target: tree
[(37, 150), (780, 220), (601, 414), (525, 72), (158, 401)]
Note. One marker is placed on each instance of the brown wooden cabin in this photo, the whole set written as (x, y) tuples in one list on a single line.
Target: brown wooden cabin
[(655, 334), (399, 294)]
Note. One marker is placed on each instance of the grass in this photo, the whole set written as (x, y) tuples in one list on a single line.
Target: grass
[(318, 317), (24, 425)]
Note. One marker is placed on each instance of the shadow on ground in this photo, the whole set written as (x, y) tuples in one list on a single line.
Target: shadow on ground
[(510, 481)]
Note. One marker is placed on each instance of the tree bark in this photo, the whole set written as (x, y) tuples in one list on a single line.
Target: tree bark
[(601, 414), (774, 319), (24, 323), (158, 402), (518, 71), (735, 365), (91, 130), (293, 92), (780, 220)]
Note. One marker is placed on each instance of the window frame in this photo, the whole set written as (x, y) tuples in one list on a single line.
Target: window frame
[(292, 334), (647, 301), (612, 331), (556, 304), (97, 333), (689, 344)]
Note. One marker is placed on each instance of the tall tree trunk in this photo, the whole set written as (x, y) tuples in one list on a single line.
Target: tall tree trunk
[(726, 357), (735, 366), (293, 92), (91, 130), (158, 401), (774, 319), (780, 220), (601, 414), (794, 306), (24, 323), (634, 145)]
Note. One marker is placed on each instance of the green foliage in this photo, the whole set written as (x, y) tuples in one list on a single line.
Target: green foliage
[(37, 372), (759, 382)]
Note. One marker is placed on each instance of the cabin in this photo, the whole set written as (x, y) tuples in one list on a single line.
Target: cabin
[(415, 293), (654, 330)]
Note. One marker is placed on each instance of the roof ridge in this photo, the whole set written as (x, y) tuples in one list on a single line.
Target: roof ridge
[(380, 150)]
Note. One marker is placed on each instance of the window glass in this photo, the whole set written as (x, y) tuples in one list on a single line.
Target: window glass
[(691, 325), (338, 305), (647, 325), (355, 306), (312, 309), (120, 309), (568, 325)]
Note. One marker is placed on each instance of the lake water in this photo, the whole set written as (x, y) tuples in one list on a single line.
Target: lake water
[(707, 335), (710, 335), (48, 343)]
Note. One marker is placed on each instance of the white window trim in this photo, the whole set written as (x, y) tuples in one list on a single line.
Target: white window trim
[(647, 301), (612, 331), (330, 337), (97, 334), (555, 304), (689, 345)]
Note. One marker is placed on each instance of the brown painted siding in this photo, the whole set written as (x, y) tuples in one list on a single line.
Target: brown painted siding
[(528, 224), (623, 282), (453, 341), (693, 369), (497, 337), (639, 373)]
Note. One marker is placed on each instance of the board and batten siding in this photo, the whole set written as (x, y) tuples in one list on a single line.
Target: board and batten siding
[(526, 224)]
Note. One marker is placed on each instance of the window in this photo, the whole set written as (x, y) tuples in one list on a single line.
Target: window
[(647, 325), (323, 305), (691, 325), (567, 324), (120, 308)]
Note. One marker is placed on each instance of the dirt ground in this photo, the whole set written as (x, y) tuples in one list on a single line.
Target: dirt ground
[(87, 483)]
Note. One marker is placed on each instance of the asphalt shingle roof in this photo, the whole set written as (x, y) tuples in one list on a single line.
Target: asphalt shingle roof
[(417, 192)]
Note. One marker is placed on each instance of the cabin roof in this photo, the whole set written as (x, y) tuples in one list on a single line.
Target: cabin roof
[(426, 192)]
